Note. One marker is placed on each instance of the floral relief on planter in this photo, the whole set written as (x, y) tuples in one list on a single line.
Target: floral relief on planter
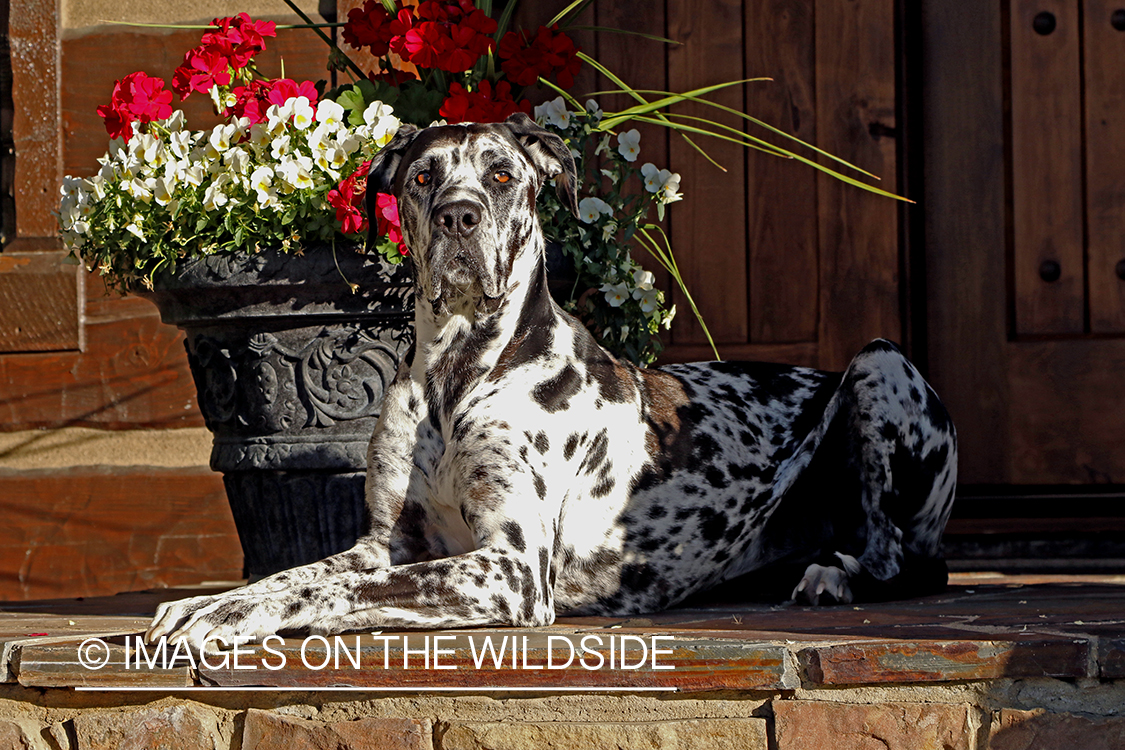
[(290, 367)]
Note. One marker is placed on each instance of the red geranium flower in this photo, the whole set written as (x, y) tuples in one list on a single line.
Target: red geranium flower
[(239, 38), (483, 105), (252, 101), (347, 199), (548, 53), (370, 26), (136, 97), (202, 69), (392, 77), (449, 36)]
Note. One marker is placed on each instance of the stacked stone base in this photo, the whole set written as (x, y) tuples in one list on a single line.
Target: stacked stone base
[(996, 715)]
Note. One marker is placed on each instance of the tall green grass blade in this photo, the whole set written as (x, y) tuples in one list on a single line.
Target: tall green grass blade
[(663, 103), (642, 35), (565, 94), (691, 96), (204, 27), (668, 261), (505, 19), (743, 141), (628, 90), (574, 8)]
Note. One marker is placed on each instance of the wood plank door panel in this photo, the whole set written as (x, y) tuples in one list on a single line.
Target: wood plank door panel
[(1104, 72), (787, 264), (711, 221), (783, 244), (1039, 399), (1046, 165)]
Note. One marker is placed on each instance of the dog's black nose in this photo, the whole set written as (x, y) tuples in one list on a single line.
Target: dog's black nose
[(459, 218)]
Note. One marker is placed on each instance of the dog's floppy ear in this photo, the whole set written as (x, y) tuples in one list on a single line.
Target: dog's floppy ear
[(381, 176), (551, 157)]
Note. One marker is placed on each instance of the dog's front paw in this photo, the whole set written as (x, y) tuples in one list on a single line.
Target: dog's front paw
[(823, 585), (213, 623)]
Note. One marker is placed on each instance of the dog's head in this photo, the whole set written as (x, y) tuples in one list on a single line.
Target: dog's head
[(466, 202)]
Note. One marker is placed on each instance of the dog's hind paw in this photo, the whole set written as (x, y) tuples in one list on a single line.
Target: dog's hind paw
[(823, 585)]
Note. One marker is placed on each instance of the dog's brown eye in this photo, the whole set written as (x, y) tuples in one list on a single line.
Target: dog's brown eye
[(501, 177), (423, 178)]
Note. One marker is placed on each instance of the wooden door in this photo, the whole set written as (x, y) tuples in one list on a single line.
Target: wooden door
[(786, 264), (1024, 114)]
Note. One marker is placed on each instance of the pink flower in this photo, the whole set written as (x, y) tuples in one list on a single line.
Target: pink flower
[(386, 206), (231, 47), (285, 89), (136, 98)]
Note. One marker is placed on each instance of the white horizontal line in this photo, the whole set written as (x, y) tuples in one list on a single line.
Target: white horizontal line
[(375, 689)]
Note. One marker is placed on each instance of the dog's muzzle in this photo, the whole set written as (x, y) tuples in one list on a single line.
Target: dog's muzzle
[(459, 268)]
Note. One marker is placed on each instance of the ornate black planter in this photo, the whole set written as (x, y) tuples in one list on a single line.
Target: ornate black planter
[(290, 367)]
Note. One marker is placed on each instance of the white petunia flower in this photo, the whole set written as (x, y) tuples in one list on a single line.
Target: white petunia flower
[(337, 158), (176, 121), (192, 175), (615, 294), (138, 190), (150, 148), (214, 198), (330, 114), (134, 227), (278, 117), (643, 280), (280, 147), (347, 142), (303, 113), (261, 181), (671, 192), (237, 160), (163, 189), (553, 112), (591, 209), (221, 136), (376, 111), (179, 143), (296, 172), (629, 144), (319, 138)]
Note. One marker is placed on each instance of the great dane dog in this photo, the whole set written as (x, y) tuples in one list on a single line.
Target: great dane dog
[(520, 471)]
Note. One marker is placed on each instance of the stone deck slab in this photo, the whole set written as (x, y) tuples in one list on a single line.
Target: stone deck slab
[(984, 627)]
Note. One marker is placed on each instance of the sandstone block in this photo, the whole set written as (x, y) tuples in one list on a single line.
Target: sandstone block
[(21, 735), (800, 725), (269, 731), (701, 734), (172, 727), (1039, 730)]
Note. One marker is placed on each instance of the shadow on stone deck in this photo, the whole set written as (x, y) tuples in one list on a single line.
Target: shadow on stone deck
[(994, 662)]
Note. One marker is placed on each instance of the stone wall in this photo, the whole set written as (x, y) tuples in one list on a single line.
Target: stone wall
[(1036, 714)]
